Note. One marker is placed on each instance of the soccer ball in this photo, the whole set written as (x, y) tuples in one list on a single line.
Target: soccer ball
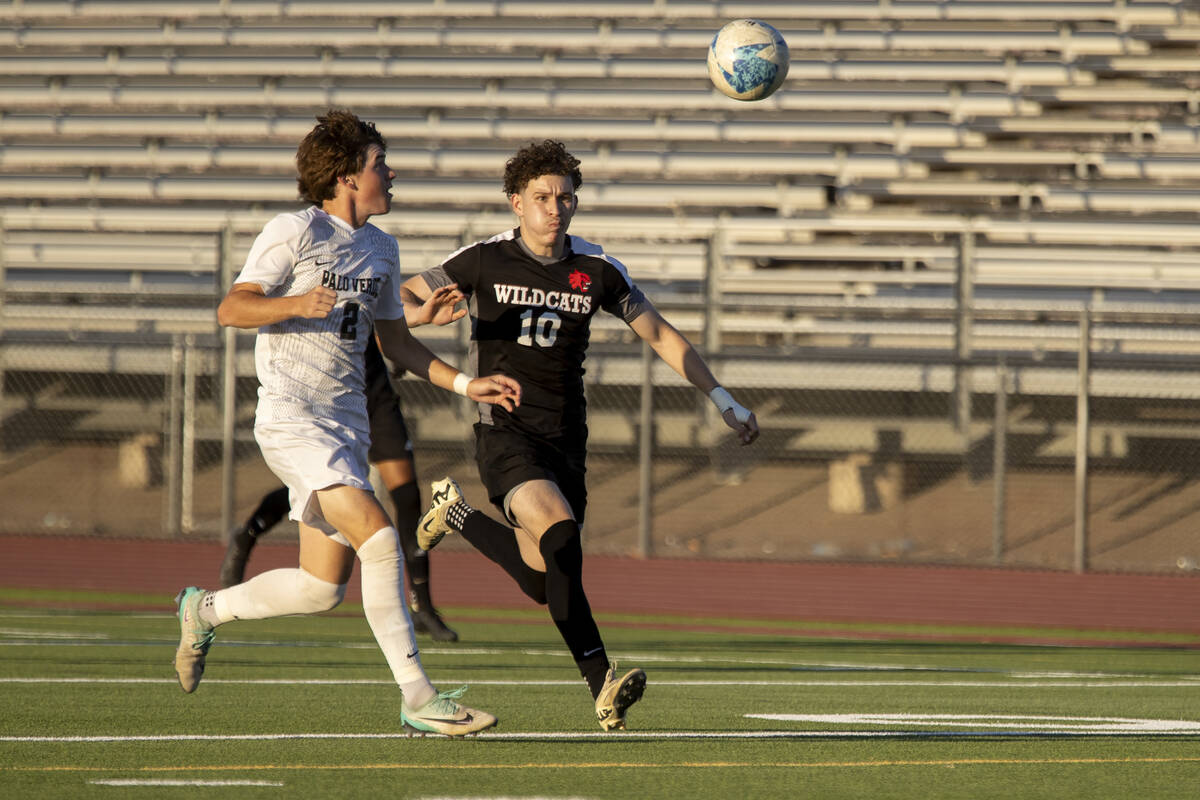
[(747, 59)]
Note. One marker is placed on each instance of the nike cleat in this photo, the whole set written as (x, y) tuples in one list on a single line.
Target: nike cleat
[(433, 526), (195, 637), (445, 716), (617, 696)]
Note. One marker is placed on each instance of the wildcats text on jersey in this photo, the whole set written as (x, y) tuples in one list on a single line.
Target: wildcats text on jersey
[(528, 296), (342, 283)]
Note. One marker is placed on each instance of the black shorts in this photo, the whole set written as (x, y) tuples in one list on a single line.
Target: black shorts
[(389, 434), (509, 458)]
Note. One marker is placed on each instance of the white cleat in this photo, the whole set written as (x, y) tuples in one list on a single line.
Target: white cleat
[(617, 696), (433, 526), (446, 716), (195, 638)]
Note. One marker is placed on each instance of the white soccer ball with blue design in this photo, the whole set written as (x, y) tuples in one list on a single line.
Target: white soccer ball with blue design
[(748, 60)]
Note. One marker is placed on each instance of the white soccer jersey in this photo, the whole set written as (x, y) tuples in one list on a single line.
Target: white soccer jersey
[(314, 368)]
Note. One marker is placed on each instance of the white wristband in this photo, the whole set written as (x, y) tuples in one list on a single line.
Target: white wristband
[(460, 383), (724, 401)]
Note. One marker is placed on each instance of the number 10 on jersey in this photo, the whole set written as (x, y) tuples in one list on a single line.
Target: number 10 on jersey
[(539, 329)]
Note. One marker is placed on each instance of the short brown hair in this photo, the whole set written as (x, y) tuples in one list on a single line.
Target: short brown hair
[(337, 146), (534, 160)]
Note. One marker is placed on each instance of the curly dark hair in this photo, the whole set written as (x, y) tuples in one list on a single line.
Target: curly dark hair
[(337, 146), (534, 160)]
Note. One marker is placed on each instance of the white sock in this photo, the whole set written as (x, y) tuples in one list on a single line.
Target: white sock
[(387, 614), (277, 593)]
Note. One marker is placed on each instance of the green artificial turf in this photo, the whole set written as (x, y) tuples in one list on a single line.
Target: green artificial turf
[(89, 707)]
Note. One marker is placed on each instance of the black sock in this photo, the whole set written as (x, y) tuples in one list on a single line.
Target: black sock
[(594, 670), (407, 500), (271, 509), (569, 608), (499, 543)]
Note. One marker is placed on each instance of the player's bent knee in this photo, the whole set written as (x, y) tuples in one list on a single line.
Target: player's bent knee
[(561, 548), (319, 595)]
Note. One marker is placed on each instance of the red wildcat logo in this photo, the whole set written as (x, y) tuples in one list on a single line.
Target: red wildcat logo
[(580, 281)]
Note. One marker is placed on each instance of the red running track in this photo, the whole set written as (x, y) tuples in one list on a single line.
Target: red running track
[(821, 592)]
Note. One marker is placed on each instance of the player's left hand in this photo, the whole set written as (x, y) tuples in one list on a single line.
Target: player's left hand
[(747, 431), (498, 389), (439, 309)]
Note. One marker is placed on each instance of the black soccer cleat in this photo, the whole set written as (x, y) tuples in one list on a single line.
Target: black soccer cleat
[(430, 622)]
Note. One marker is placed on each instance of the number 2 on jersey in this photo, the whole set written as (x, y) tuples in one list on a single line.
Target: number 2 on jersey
[(349, 321), (542, 330)]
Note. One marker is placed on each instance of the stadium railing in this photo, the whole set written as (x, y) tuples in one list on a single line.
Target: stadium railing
[(346, 66), (1120, 12), (628, 39)]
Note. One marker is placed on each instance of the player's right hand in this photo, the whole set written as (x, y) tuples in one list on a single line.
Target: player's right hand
[(317, 303), (746, 429)]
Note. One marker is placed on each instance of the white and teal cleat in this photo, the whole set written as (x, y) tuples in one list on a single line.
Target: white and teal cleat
[(446, 716), (195, 637)]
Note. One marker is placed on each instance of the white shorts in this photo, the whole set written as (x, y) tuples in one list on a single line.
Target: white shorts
[(313, 454)]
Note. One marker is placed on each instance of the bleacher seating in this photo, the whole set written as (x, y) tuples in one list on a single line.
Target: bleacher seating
[(812, 243), (1059, 135)]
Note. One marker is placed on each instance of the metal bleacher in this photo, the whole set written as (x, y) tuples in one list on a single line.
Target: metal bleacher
[(142, 145)]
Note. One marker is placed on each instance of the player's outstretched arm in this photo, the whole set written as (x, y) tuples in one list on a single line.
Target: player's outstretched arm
[(674, 348), (407, 352), (247, 306)]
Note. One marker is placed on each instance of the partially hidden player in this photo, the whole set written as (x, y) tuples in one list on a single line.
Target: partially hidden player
[(531, 293)]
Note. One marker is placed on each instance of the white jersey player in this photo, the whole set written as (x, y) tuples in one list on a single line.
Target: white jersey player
[(311, 370), (314, 284)]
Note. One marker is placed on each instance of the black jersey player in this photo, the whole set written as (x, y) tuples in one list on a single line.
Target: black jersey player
[(531, 293)]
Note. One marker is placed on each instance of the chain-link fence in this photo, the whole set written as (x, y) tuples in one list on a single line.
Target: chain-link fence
[(127, 412)]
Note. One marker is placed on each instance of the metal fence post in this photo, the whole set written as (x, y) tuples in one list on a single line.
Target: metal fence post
[(1082, 434), (964, 301), (228, 385), (187, 479), (171, 451), (1000, 464), (646, 456), (714, 267)]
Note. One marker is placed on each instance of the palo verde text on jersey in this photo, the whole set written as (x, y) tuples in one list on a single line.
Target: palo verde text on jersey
[(342, 283)]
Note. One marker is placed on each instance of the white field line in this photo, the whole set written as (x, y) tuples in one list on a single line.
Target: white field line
[(169, 782), (24, 633), (1026, 722), (160, 616), (931, 682), (157, 642), (1147, 727), (663, 658)]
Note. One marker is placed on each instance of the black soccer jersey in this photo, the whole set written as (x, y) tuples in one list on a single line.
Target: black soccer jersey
[(531, 321)]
